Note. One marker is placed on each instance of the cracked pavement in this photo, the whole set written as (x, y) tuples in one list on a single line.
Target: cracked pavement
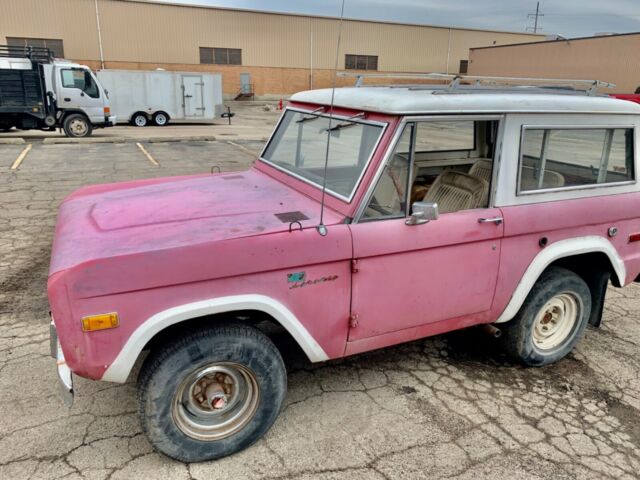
[(450, 406)]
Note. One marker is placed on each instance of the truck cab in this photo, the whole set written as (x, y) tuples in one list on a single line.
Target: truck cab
[(38, 91)]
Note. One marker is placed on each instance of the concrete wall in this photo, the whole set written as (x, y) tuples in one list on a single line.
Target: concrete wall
[(279, 51), (610, 58)]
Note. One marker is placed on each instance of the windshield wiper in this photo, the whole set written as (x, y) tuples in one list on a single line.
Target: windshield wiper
[(314, 117), (350, 122)]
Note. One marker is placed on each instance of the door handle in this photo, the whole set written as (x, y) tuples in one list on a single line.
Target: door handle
[(496, 220), (67, 99)]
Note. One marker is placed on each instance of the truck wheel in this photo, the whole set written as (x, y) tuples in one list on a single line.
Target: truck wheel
[(551, 320), (212, 392), (161, 119), (139, 120), (77, 125), (5, 128)]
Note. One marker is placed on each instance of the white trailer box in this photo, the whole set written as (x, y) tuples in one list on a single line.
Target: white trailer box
[(159, 96)]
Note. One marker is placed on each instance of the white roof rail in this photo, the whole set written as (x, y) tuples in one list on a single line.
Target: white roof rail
[(591, 86)]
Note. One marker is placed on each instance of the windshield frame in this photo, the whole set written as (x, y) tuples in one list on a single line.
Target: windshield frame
[(337, 118)]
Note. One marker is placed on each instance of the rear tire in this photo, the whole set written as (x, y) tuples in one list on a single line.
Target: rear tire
[(77, 125), (139, 120), (551, 320), (161, 119), (211, 392)]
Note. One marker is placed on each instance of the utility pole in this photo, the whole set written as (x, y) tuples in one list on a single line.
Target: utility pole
[(536, 16)]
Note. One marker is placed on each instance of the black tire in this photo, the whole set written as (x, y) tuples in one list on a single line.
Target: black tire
[(5, 128), (139, 120), (167, 369), (77, 125), (160, 119), (522, 336)]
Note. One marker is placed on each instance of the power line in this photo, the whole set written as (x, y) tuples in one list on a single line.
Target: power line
[(536, 16)]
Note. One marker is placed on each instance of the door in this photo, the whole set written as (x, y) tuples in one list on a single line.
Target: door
[(193, 98), (412, 275), (245, 84), (78, 89)]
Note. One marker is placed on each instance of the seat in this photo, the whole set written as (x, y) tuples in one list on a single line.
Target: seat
[(530, 176), (482, 169), (454, 191)]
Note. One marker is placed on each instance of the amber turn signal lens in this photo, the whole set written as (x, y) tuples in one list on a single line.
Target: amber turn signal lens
[(107, 111), (100, 322)]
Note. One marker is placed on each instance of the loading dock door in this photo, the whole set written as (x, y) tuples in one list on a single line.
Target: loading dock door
[(192, 96)]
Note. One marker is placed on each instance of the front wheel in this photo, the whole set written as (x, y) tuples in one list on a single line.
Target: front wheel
[(551, 320), (211, 392), (77, 125), (139, 120)]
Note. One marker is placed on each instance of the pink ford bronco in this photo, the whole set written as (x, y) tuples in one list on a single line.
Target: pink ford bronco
[(437, 207)]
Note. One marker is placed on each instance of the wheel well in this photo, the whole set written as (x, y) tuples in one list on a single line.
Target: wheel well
[(139, 112), (283, 340), (596, 270), (163, 112)]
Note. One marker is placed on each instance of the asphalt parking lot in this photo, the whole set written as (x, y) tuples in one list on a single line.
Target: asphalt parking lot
[(445, 407)]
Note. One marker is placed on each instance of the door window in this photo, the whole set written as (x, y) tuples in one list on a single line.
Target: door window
[(451, 165), (80, 79)]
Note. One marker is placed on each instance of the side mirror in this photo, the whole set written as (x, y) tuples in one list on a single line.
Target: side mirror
[(422, 212)]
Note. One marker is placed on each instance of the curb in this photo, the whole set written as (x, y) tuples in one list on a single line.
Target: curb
[(197, 138), (12, 141), (65, 140)]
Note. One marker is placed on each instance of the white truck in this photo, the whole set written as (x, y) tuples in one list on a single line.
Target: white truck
[(40, 92), (159, 96)]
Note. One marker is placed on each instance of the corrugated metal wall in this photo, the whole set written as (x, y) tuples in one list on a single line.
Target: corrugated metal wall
[(609, 58), (153, 33)]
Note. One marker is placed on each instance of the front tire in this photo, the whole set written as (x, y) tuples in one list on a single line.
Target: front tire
[(77, 125), (211, 392), (139, 120), (551, 320)]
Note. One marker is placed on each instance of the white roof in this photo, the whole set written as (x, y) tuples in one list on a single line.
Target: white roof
[(436, 99)]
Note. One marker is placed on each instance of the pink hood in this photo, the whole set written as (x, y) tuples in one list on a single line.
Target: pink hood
[(107, 221)]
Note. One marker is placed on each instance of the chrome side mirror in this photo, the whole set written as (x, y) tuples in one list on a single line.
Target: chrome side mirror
[(422, 212)]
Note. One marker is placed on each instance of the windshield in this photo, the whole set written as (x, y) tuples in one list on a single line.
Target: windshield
[(299, 146)]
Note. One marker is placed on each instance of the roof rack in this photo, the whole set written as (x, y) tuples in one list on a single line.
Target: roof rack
[(36, 54), (454, 80)]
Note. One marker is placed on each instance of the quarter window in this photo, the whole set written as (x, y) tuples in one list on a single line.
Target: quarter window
[(562, 158)]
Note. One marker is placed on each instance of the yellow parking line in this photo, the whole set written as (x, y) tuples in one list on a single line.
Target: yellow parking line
[(246, 150), (20, 158), (148, 155)]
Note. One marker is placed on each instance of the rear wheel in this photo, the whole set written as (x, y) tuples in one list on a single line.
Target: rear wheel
[(139, 120), (161, 119), (77, 125), (211, 392), (551, 320)]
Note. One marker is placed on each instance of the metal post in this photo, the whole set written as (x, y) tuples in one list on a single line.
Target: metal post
[(311, 59), (99, 35), (448, 52)]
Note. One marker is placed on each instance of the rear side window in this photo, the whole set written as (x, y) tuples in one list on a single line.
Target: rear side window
[(576, 157)]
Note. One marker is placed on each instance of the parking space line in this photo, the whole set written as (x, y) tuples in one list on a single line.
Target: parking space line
[(20, 158), (246, 150), (147, 154)]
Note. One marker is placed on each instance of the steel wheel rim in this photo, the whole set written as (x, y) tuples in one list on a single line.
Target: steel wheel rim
[(140, 121), (556, 321), (78, 127), (161, 119), (195, 416)]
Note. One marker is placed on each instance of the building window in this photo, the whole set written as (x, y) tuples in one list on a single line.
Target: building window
[(578, 157), (361, 62), (52, 44), (221, 56), (464, 66)]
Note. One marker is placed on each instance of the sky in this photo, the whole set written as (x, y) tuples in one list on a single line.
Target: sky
[(570, 18)]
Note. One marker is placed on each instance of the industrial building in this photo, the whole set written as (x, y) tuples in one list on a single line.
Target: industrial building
[(610, 58), (258, 53)]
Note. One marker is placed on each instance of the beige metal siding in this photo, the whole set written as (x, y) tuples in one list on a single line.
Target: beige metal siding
[(171, 34), (612, 59)]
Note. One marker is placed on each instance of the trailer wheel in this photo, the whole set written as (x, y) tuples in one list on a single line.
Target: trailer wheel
[(5, 128), (77, 125), (139, 119), (160, 119)]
